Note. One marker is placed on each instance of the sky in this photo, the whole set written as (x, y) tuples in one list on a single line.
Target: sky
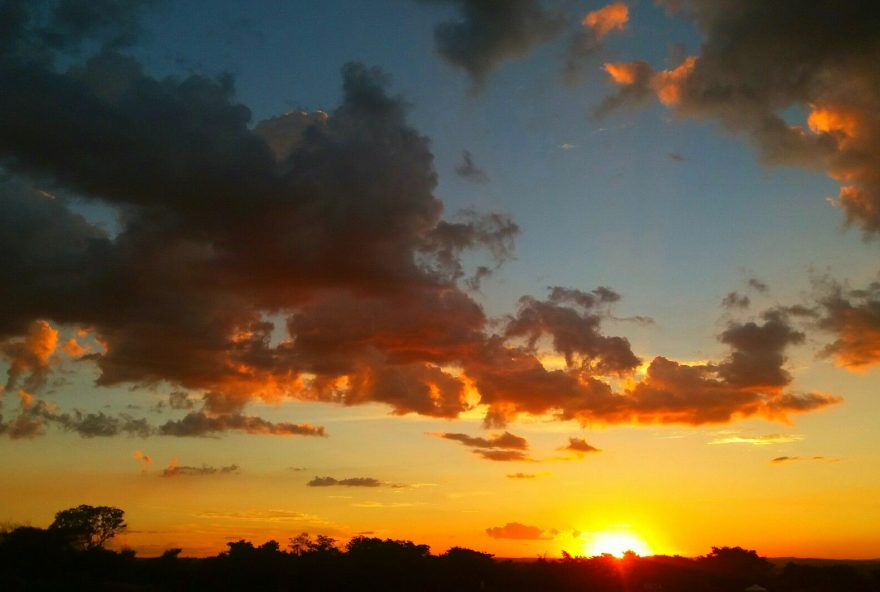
[(523, 276)]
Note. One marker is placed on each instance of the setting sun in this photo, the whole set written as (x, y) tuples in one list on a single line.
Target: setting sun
[(615, 543)]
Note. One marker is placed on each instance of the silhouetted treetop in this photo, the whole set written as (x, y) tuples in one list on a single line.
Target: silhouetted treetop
[(89, 527)]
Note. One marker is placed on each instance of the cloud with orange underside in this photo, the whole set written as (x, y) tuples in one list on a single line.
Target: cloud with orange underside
[(366, 287), (603, 21), (852, 317)]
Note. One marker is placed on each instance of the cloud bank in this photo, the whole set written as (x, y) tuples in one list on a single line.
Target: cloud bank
[(320, 227)]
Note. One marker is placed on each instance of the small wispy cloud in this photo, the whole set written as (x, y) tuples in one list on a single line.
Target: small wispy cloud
[(261, 515), (759, 440), (579, 447), (352, 482), (784, 459), (175, 470), (144, 459), (384, 505), (468, 169)]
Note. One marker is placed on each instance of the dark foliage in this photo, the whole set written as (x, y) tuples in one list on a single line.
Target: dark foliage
[(37, 559), (89, 527)]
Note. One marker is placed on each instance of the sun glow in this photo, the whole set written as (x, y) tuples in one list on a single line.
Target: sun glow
[(615, 543)]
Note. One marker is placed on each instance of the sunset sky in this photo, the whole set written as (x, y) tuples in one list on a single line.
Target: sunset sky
[(523, 276)]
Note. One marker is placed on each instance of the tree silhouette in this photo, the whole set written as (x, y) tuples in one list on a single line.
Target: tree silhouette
[(89, 527), (68, 556), (303, 544)]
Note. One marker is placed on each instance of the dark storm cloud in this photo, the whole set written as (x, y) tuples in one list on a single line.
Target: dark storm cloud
[(489, 33), (350, 482), (759, 60), (468, 170)]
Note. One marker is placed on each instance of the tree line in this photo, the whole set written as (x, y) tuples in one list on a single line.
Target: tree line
[(71, 555)]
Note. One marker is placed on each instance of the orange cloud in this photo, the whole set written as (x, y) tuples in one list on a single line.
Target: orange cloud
[(144, 459), (517, 531), (622, 73), (26, 399), (830, 119), (73, 349), (30, 355), (667, 84), (607, 19)]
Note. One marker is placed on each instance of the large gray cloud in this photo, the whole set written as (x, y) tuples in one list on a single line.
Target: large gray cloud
[(327, 220)]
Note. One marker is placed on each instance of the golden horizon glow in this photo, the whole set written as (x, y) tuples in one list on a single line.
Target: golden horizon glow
[(615, 543)]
